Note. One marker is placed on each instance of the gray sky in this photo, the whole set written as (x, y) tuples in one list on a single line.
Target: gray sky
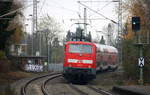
[(64, 10)]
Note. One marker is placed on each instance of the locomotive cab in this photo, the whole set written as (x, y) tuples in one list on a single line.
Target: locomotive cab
[(80, 60)]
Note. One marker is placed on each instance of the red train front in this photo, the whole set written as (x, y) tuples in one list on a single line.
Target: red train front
[(80, 60)]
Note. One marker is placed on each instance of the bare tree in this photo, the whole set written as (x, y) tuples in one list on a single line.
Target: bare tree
[(51, 25), (110, 33), (50, 28)]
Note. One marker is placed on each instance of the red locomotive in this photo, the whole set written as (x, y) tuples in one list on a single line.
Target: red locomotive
[(83, 59)]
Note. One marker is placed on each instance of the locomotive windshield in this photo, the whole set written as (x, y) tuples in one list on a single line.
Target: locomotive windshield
[(78, 48)]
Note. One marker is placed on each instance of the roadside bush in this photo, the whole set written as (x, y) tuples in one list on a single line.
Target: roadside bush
[(4, 63), (130, 61), (147, 64), (2, 55)]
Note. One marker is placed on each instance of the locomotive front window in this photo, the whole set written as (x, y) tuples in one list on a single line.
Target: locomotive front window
[(77, 48)]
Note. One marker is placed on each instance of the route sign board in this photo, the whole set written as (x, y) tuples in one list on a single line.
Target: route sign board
[(141, 61)]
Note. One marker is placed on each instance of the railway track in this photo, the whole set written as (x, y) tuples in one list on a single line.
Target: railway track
[(98, 91), (80, 89), (43, 86)]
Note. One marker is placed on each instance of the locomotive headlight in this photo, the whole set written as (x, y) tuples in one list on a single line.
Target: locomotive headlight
[(70, 65), (72, 60), (89, 66), (88, 61)]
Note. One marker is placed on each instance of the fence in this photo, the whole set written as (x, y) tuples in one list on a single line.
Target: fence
[(55, 67)]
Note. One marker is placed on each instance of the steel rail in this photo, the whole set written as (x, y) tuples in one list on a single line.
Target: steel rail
[(100, 90), (77, 89), (24, 87), (43, 87)]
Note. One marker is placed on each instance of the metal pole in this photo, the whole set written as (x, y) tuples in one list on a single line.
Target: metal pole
[(141, 68), (141, 55), (34, 26), (85, 21), (141, 76), (32, 36), (48, 48), (47, 52), (34, 15), (108, 34), (46, 35), (147, 37), (40, 38), (47, 55), (26, 49), (120, 31)]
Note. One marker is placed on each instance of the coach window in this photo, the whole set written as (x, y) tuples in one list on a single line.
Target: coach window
[(86, 49), (74, 48)]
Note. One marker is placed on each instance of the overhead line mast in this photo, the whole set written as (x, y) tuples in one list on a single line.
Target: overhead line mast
[(120, 34), (34, 24), (85, 21), (34, 16)]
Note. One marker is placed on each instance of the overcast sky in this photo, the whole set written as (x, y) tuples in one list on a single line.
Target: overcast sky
[(64, 10)]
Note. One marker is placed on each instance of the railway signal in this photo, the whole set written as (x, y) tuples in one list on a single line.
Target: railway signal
[(135, 24), (136, 28)]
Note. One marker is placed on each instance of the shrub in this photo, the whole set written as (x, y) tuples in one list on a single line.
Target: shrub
[(4, 63), (130, 63), (2, 55)]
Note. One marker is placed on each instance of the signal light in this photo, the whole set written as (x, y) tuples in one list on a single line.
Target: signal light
[(89, 66), (135, 24), (70, 65)]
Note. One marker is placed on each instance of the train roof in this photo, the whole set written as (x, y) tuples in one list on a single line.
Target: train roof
[(75, 42), (100, 47), (106, 48)]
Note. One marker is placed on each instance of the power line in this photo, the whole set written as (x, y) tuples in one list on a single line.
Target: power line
[(101, 1), (98, 13), (9, 13), (27, 1), (105, 5), (62, 7), (42, 6), (102, 7), (90, 19)]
